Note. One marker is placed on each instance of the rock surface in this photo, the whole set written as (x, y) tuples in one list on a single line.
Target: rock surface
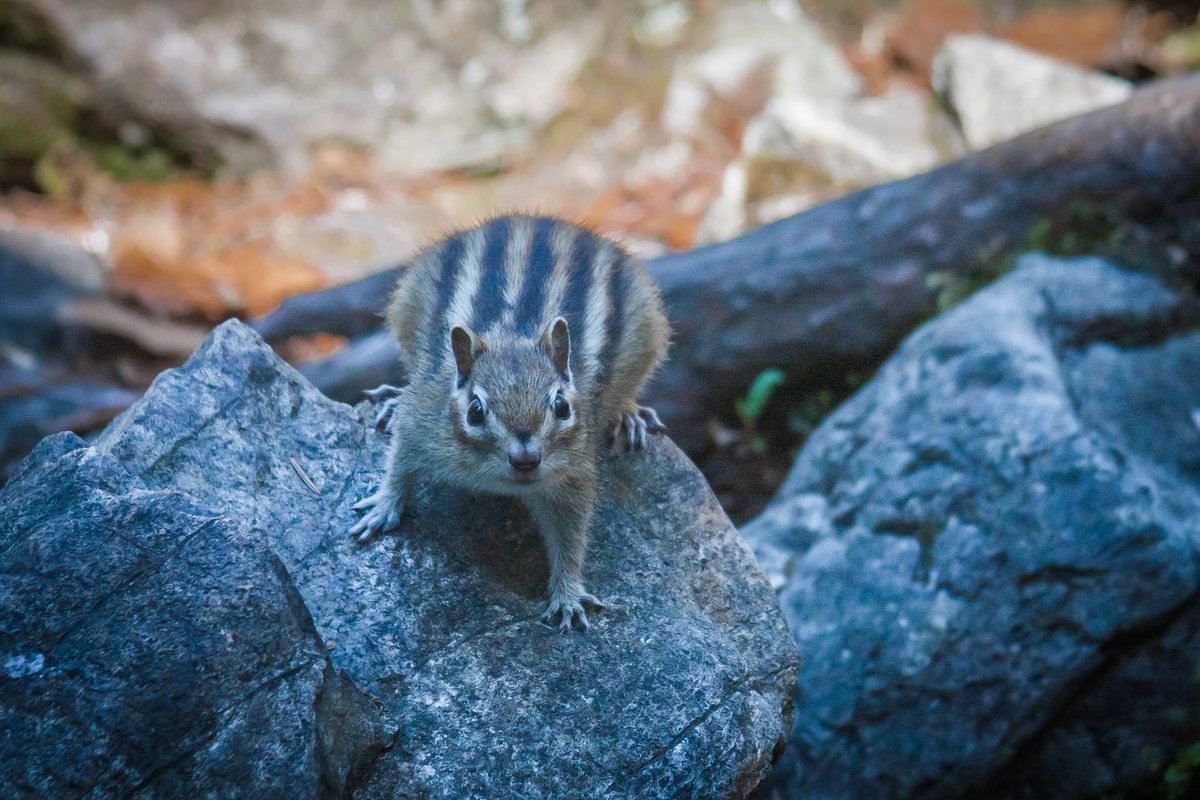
[(191, 616), (999, 90), (153, 648), (990, 556)]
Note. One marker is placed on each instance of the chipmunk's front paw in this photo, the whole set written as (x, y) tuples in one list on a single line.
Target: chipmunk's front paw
[(568, 609), (387, 398), (634, 422), (383, 511)]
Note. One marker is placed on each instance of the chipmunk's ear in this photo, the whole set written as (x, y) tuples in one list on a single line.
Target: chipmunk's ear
[(467, 347), (556, 341)]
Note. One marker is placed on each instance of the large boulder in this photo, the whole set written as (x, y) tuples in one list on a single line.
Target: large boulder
[(183, 614), (990, 556)]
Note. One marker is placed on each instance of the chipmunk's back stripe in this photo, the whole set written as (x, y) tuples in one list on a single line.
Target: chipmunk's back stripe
[(562, 244), (618, 288), (515, 259), (501, 239), (470, 273), (539, 265), (579, 279), (599, 305), (448, 258)]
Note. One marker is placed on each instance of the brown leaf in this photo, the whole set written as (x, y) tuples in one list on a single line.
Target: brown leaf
[(244, 279), (1088, 37), (167, 285), (306, 349), (923, 26), (258, 277)]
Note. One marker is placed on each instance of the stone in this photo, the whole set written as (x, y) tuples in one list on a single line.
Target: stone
[(153, 648), (813, 129), (414, 667), (868, 140), (745, 40), (998, 90), (800, 150), (983, 551)]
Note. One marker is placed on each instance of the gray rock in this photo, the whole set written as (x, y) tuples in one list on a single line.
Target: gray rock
[(861, 141), (998, 90), (989, 544), (816, 129), (37, 401), (153, 648), (752, 42), (414, 667)]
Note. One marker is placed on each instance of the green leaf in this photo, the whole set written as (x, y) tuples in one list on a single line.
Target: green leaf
[(759, 394)]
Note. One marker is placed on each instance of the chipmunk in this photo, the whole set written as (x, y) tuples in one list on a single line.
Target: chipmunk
[(527, 340)]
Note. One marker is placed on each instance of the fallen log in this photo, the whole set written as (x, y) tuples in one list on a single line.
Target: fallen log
[(831, 291)]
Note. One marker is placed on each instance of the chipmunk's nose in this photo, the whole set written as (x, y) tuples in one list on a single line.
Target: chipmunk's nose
[(524, 456), (525, 460)]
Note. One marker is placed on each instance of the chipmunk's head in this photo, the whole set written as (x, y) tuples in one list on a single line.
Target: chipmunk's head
[(515, 408)]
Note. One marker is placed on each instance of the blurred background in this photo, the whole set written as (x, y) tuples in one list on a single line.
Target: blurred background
[(166, 166)]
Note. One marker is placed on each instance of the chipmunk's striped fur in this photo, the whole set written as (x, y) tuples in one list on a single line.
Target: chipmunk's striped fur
[(527, 340)]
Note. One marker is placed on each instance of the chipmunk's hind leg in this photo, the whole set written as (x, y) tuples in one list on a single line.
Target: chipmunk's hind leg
[(634, 422)]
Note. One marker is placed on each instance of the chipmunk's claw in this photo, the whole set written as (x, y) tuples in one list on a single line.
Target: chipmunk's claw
[(387, 397), (569, 611), (653, 423), (383, 512), (591, 600), (630, 432)]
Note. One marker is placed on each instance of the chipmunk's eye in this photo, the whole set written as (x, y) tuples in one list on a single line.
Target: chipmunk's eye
[(562, 409), (476, 411)]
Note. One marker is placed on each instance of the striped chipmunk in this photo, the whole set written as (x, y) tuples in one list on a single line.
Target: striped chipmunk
[(526, 340)]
